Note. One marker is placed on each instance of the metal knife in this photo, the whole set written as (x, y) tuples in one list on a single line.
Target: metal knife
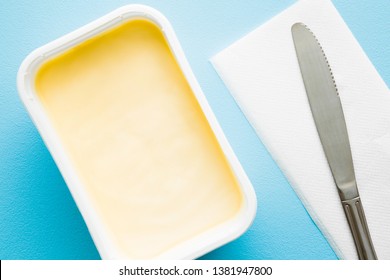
[(328, 116)]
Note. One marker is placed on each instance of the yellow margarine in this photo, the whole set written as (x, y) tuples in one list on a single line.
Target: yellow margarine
[(138, 139)]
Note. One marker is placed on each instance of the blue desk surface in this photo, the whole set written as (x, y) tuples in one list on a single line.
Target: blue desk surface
[(38, 217)]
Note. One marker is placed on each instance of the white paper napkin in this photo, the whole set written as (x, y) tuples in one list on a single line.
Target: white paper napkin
[(262, 73)]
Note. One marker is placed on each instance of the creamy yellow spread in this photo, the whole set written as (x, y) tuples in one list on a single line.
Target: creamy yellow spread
[(138, 139)]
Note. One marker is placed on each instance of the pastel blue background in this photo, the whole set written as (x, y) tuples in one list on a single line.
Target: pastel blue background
[(38, 217)]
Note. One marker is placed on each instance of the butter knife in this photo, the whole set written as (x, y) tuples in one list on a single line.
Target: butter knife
[(328, 116)]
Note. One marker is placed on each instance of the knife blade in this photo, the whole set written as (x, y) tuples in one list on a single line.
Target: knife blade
[(329, 119)]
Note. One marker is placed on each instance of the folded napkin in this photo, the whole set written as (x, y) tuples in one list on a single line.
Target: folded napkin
[(262, 73)]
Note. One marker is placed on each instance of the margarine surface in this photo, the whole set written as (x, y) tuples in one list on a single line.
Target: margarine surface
[(138, 139)]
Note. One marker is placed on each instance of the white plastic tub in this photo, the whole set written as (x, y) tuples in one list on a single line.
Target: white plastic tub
[(198, 205)]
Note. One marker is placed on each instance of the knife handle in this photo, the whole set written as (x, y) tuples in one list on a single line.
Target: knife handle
[(357, 222)]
